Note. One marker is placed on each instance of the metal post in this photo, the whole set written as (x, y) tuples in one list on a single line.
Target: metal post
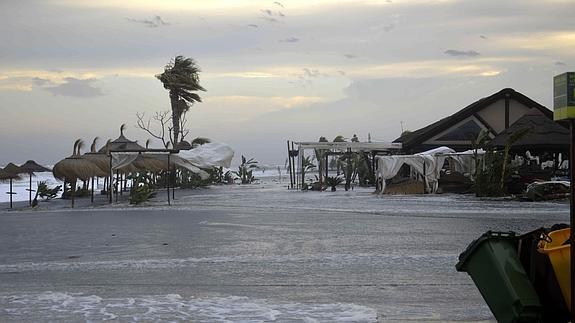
[(295, 180), (174, 175), (572, 215)]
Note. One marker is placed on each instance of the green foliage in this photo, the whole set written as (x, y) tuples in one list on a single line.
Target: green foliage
[(333, 182), (245, 170), (493, 171), (142, 190), (45, 192), (192, 180), (307, 166)]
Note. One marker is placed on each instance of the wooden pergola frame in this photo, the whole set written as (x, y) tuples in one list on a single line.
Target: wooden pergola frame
[(334, 148)]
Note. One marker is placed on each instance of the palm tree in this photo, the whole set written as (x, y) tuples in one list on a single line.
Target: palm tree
[(181, 78)]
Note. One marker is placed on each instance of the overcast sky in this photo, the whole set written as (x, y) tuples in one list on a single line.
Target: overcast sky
[(273, 71)]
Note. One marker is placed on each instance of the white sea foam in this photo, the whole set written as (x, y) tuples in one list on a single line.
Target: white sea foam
[(172, 263), (52, 306)]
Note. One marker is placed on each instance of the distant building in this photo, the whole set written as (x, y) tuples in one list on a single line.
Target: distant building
[(495, 113)]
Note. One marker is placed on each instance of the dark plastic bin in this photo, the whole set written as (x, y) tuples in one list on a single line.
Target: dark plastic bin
[(493, 264)]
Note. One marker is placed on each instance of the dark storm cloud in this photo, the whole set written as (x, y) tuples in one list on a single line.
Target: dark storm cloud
[(78, 88), (461, 53), (155, 22)]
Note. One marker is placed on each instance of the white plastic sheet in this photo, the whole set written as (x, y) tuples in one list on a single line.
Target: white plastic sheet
[(431, 160)]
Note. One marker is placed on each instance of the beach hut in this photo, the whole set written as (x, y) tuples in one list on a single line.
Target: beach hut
[(75, 167), (9, 173), (30, 167)]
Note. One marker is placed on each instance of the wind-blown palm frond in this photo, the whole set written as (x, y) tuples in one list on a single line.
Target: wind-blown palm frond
[(180, 77)]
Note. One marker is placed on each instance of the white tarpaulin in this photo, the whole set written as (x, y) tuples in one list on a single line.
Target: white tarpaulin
[(204, 156), (431, 160), (120, 160)]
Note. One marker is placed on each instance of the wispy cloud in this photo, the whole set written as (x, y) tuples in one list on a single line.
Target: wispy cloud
[(560, 64), (78, 88), (253, 25), (350, 56), (277, 3), (155, 22), (461, 53)]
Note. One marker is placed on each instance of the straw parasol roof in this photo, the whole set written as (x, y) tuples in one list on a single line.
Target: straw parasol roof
[(152, 162), (13, 169), (75, 167), (6, 175), (31, 167), (98, 158), (124, 144)]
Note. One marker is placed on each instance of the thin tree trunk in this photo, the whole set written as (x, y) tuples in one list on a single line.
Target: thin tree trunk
[(176, 113)]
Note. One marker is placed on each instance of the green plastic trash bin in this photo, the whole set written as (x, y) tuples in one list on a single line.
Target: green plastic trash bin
[(493, 264)]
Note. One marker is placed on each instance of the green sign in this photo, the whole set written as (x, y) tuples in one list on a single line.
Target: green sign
[(564, 96)]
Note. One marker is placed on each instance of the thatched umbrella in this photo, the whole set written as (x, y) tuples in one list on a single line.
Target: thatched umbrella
[(30, 167), (10, 172), (100, 159), (75, 167), (121, 144)]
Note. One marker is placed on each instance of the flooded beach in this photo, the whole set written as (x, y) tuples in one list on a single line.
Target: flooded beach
[(255, 253)]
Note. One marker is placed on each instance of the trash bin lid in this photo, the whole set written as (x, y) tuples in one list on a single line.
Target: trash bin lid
[(464, 256)]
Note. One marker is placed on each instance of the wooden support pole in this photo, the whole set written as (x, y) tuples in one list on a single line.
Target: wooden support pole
[(92, 197), (118, 187), (326, 165), (30, 193), (424, 178), (11, 193), (168, 179), (110, 181), (289, 165), (572, 215), (174, 177)]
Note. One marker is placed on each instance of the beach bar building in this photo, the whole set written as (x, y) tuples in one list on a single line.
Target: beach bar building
[(494, 113)]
